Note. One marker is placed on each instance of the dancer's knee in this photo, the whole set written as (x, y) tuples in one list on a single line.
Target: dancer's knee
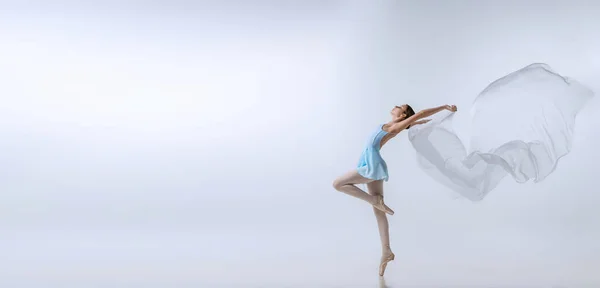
[(338, 184)]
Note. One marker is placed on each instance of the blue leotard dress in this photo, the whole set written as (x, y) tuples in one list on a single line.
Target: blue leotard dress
[(371, 165)]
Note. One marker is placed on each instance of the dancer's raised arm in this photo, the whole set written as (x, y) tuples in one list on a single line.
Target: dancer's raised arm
[(421, 122), (397, 127)]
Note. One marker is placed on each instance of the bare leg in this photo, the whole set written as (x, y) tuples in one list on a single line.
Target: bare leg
[(346, 182), (375, 188)]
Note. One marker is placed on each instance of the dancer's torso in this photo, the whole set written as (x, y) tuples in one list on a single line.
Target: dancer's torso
[(380, 137), (370, 164)]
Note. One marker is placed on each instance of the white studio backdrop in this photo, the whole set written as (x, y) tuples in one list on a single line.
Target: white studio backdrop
[(179, 144)]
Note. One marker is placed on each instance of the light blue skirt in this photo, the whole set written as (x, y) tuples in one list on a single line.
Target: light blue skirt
[(371, 165)]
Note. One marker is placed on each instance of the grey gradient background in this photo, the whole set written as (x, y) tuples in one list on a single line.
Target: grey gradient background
[(194, 144)]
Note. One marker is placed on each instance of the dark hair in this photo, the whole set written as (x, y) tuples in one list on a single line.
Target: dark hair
[(409, 112)]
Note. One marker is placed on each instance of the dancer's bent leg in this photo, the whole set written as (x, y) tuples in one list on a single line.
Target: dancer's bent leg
[(346, 183)]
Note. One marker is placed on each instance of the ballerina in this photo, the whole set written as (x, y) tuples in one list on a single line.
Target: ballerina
[(372, 170)]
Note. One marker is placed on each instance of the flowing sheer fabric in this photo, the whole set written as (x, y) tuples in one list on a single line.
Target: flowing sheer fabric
[(522, 124)]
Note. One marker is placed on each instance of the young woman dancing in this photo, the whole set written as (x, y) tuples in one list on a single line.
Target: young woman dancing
[(372, 170)]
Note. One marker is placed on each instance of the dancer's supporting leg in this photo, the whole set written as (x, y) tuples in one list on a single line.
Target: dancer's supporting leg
[(375, 188)]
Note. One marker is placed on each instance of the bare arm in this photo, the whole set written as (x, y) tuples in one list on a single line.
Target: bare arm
[(397, 127), (421, 121)]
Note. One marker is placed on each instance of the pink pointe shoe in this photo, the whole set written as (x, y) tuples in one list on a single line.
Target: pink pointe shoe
[(381, 206), (384, 262)]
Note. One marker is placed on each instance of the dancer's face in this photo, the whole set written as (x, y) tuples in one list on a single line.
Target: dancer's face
[(399, 111)]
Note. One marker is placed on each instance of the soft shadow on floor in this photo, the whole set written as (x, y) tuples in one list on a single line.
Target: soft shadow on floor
[(382, 283)]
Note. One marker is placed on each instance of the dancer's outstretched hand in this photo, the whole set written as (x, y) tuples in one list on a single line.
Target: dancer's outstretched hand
[(452, 108)]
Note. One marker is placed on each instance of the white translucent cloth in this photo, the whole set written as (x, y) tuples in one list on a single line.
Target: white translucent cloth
[(522, 124)]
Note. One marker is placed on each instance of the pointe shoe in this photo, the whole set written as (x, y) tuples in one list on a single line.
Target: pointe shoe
[(384, 262), (381, 206)]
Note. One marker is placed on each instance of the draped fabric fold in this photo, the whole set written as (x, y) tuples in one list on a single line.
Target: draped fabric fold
[(521, 125)]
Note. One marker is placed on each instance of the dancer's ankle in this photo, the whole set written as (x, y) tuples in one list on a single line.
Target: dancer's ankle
[(386, 250)]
